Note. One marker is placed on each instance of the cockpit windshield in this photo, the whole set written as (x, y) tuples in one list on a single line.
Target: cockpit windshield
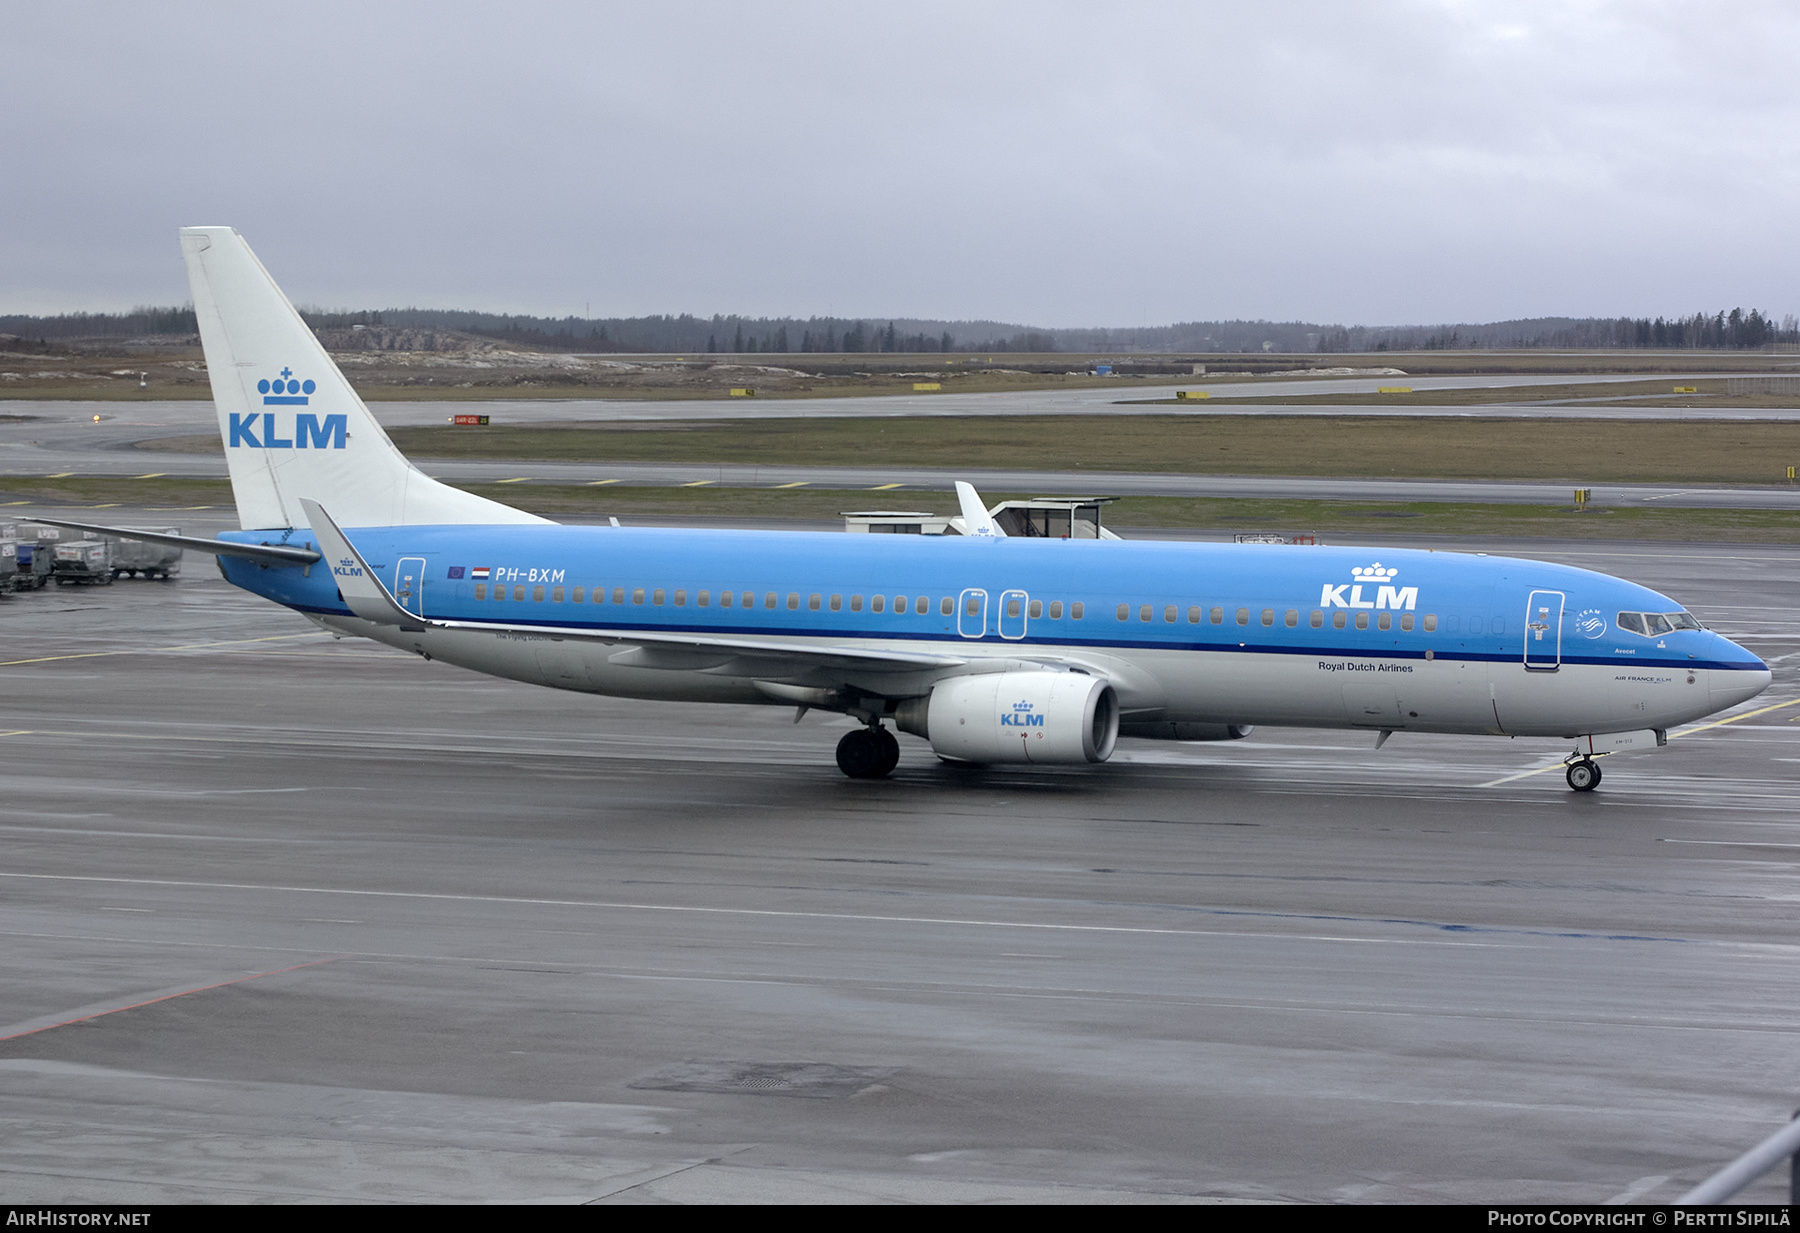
[(1653, 624)]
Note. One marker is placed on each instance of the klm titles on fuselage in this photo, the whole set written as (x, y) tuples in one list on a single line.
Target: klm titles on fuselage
[(308, 431), (1386, 595)]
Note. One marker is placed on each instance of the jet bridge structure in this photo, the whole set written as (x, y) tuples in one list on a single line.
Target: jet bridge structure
[(1033, 518)]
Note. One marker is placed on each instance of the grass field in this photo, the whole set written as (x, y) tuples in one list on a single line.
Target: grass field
[(1574, 451), (1338, 521)]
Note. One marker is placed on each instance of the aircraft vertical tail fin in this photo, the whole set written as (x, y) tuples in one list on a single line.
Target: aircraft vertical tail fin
[(293, 427)]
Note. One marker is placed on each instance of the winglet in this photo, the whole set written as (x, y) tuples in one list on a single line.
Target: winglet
[(363, 592), (975, 516)]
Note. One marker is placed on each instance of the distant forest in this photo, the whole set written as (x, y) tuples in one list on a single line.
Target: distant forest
[(690, 335)]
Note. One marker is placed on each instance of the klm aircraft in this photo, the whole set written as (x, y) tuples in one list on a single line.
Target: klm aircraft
[(992, 649)]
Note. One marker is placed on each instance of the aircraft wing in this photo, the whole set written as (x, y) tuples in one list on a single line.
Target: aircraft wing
[(368, 597), (218, 547)]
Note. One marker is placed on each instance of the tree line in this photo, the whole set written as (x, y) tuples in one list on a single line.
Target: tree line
[(721, 334)]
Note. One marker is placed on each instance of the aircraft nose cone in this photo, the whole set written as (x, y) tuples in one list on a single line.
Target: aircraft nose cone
[(1747, 677)]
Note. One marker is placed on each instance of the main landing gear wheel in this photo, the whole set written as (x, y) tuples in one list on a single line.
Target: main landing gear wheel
[(1583, 776), (868, 753)]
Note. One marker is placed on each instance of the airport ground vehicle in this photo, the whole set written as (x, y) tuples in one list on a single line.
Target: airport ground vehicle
[(131, 557), (82, 562), (992, 648)]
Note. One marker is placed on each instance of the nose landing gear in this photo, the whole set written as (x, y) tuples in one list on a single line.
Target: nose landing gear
[(1583, 774), (868, 753)]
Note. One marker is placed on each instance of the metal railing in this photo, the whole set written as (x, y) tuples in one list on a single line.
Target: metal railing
[(1784, 1143)]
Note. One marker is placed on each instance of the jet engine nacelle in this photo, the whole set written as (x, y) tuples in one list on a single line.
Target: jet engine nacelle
[(1164, 730), (1039, 717)]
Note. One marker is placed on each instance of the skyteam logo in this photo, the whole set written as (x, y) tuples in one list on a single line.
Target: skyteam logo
[(1022, 715), (1590, 623), (285, 391), (1378, 578), (269, 431)]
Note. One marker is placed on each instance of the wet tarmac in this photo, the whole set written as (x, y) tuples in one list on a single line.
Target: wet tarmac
[(287, 918)]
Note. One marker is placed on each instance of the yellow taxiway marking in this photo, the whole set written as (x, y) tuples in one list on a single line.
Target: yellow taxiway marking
[(113, 505), (520, 480), (885, 487), (153, 475), (795, 484), (20, 732), (18, 503), (1717, 723), (152, 650), (598, 483), (698, 484), (60, 475)]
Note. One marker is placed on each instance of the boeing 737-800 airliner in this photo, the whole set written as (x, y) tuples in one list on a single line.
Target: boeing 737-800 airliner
[(992, 649)]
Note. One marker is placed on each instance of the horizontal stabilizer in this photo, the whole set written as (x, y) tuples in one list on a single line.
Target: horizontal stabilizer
[(218, 547)]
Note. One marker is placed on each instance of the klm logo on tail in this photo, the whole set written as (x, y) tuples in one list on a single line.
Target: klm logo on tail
[(285, 392), (308, 431)]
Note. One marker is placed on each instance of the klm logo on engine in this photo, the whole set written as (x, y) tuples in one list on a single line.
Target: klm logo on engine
[(1379, 579), (1022, 715)]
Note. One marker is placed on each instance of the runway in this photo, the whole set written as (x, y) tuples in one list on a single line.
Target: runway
[(62, 438), (288, 918)]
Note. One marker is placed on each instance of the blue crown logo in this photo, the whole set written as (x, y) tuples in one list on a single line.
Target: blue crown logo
[(284, 391)]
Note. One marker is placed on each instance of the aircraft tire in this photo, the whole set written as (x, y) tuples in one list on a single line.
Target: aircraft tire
[(859, 755), (1583, 776), (890, 751)]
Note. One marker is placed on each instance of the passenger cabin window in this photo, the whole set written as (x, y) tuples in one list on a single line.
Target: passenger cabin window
[(856, 603), (481, 590), (704, 599), (748, 600), (793, 601), (619, 595), (877, 603), (1143, 612), (1012, 607), (519, 594), (1317, 619), (1431, 622), (1075, 610), (658, 597), (537, 595), (1169, 614), (1124, 612), (681, 599), (580, 594), (1292, 618), (1056, 610), (1194, 616), (947, 607), (1268, 616), (637, 595), (1034, 612), (771, 600), (1243, 616), (837, 603), (724, 599), (1362, 620), (556, 596), (1218, 616), (1406, 621), (812, 602), (923, 607), (1337, 620), (1384, 621)]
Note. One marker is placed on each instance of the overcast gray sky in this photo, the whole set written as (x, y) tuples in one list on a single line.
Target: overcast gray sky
[(1061, 164)]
